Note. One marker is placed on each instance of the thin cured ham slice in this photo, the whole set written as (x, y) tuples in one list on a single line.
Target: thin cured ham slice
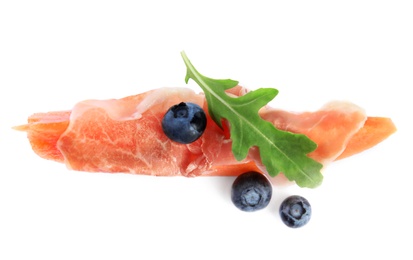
[(125, 135), (331, 127)]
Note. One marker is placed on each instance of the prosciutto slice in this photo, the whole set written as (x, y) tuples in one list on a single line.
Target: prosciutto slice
[(125, 135)]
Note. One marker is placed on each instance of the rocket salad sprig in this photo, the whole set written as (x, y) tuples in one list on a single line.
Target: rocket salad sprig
[(280, 151)]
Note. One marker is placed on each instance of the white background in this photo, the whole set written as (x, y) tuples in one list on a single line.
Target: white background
[(56, 53)]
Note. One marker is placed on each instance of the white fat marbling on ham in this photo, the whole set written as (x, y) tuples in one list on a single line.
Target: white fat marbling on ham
[(161, 95)]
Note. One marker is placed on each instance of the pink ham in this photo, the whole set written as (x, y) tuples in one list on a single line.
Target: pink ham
[(125, 135)]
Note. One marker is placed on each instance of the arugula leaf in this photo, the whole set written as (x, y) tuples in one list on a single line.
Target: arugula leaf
[(280, 151)]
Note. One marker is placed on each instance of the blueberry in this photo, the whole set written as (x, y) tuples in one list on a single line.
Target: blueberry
[(251, 191), (295, 211), (184, 122)]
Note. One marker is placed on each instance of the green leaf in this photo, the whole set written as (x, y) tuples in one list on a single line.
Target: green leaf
[(280, 151)]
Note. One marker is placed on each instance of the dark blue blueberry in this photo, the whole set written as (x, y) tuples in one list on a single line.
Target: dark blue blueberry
[(184, 122), (295, 211), (251, 191)]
